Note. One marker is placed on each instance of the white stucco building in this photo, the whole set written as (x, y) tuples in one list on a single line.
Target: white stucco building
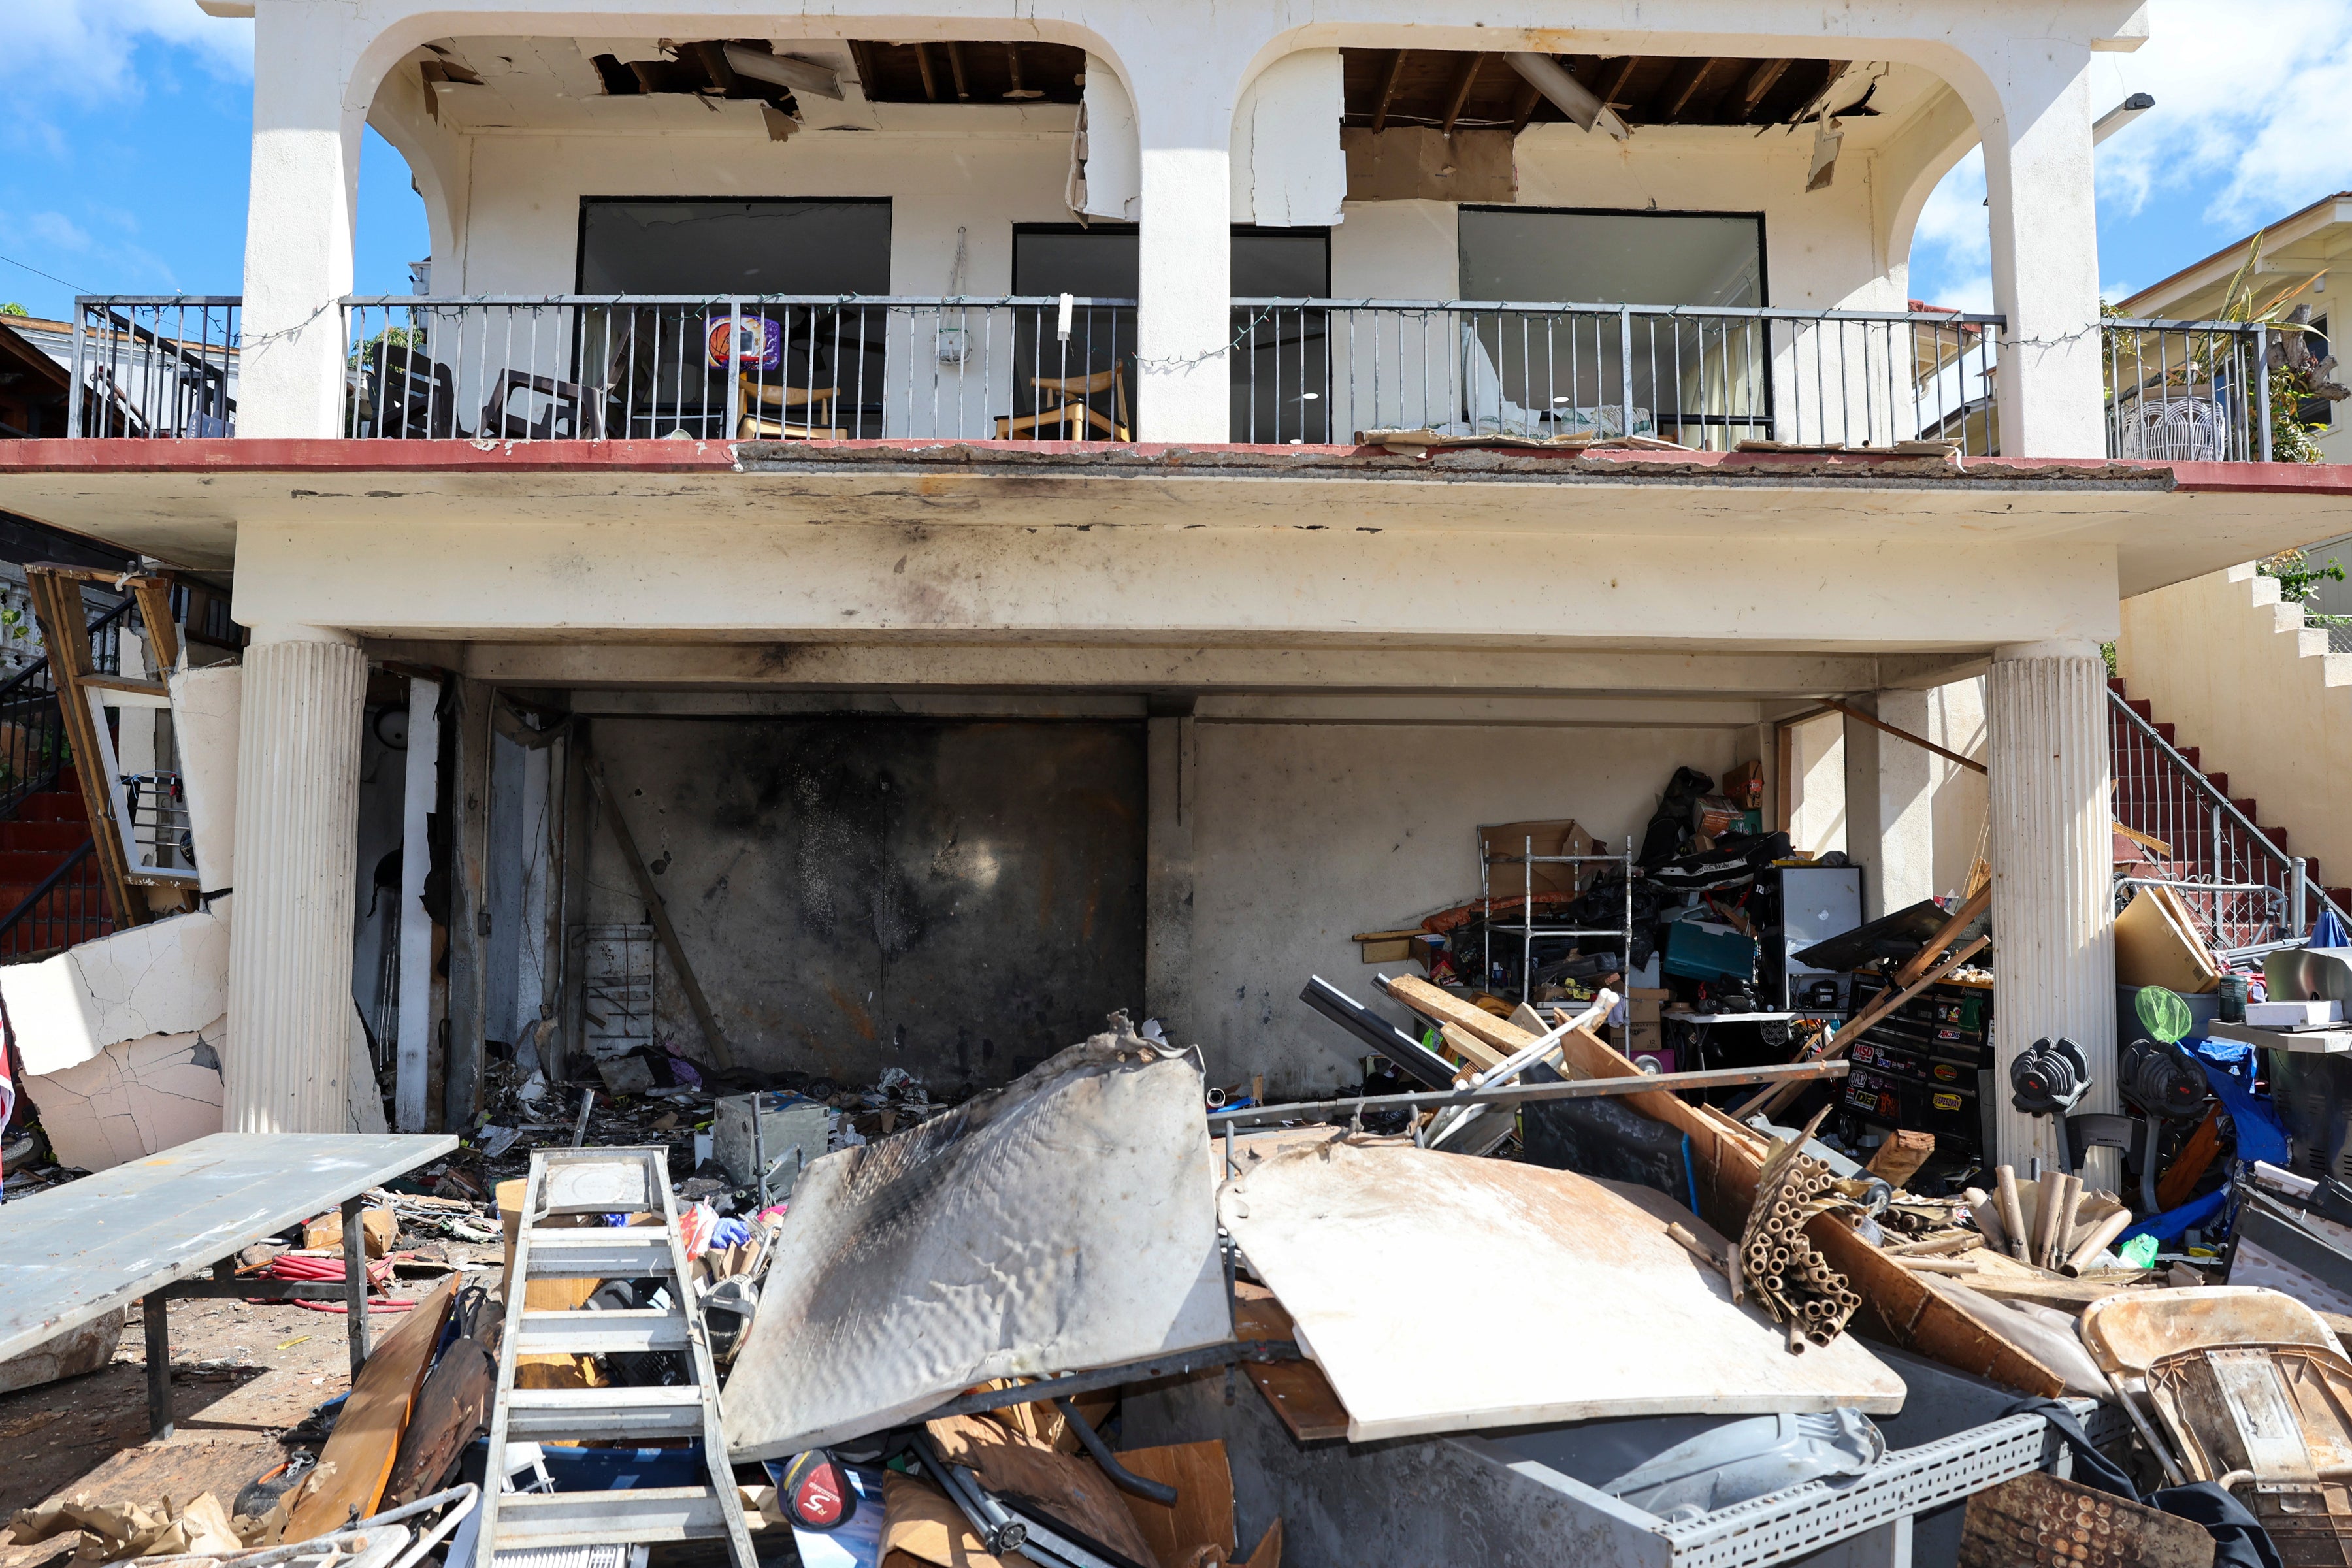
[(733, 434)]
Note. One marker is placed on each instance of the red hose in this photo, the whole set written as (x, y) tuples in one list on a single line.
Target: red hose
[(327, 1271)]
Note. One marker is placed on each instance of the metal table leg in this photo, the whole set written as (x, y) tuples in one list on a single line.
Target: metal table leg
[(156, 1311), (356, 1282)]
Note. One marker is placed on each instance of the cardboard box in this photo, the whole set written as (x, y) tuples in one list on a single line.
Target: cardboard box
[(1502, 844)]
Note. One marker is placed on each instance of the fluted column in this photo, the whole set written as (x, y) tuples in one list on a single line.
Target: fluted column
[(2052, 921), (289, 961)]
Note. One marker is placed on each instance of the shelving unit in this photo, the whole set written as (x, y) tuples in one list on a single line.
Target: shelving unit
[(1527, 929)]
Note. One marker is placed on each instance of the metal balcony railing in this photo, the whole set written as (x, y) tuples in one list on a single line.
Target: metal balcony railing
[(1324, 370), (584, 367), (155, 365), (2245, 893), (2187, 392), (1058, 367)]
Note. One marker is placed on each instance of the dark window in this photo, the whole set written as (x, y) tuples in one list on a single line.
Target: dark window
[(1700, 380), (2317, 412), (822, 371)]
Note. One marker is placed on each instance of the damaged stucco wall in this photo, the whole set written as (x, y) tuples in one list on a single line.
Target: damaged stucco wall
[(1304, 834), (169, 977)]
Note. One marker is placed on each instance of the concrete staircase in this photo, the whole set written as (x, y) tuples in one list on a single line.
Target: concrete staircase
[(49, 825), (2225, 659), (2157, 799)]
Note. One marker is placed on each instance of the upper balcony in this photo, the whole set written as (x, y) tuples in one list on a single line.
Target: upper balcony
[(1170, 224), (1066, 368)]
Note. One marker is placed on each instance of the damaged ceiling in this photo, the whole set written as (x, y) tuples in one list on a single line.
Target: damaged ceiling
[(1457, 88)]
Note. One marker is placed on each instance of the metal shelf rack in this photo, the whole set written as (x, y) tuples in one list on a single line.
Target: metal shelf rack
[(1527, 929)]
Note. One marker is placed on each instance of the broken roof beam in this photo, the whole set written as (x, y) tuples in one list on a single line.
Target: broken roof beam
[(1680, 89), (955, 69), (1760, 81), (1463, 81), (930, 81), (1572, 97), (1388, 92)]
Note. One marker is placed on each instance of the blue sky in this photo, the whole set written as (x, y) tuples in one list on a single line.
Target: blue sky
[(123, 161)]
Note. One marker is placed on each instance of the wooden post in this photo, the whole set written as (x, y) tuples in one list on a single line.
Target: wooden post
[(56, 593)]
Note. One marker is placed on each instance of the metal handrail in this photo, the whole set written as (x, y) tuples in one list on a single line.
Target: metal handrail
[(2301, 888), (1564, 308), (428, 303), (41, 894)]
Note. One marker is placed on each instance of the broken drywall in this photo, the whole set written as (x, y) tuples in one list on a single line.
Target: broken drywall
[(133, 1098), (205, 709), (1288, 168), (1114, 147), (168, 978)]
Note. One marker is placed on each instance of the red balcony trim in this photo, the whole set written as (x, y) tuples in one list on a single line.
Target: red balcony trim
[(99, 456)]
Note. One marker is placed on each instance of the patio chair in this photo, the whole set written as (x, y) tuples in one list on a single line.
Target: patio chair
[(1490, 411), (815, 402), (411, 395), (1067, 401), (573, 412)]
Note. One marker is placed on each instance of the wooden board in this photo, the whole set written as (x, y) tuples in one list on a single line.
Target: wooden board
[(452, 1405), (1896, 1307), (1899, 1158), (1301, 1396), (357, 1460), (1202, 1514), (1441, 1238), (2039, 1522), (2153, 948)]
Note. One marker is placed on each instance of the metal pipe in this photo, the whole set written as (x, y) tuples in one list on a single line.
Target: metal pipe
[(1122, 1478), (1570, 96), (1513, 1094)]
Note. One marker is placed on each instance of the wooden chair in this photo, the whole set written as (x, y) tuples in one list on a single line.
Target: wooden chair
[(410, 395), (1070, 407), (574, 413), (818, 402)]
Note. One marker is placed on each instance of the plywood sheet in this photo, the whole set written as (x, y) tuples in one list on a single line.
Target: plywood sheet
[(1369, 1246), (1896, 1307)]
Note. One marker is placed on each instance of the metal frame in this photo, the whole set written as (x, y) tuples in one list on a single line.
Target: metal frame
[(1516, 1093), (351, 1292), (1528, 929)]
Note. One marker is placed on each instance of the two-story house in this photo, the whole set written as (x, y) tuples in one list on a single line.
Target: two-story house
[(904, 467)]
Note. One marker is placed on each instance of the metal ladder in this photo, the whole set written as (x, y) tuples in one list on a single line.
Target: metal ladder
[(599, 1182)]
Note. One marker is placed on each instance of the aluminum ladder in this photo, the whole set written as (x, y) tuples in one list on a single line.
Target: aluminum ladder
[(566, 1182)]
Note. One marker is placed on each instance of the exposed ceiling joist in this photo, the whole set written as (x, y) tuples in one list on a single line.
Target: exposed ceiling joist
[(1469, 78), (1388, 91)]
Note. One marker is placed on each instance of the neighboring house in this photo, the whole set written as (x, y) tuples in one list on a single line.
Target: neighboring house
[(2306, 248), (917, 451)]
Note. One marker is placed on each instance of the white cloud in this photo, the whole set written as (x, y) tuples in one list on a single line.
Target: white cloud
[(84, 51), (58, 230), (2249, 102)]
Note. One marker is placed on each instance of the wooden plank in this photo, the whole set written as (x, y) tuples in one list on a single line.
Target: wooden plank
[(1202, 1514), (65, 633), (155, 597), (1301, 1398), (356, 1463), (1896, 1307), (1921, 742), (1473, 1050), (1462, 85), (1919, 963), (1388, 92), (1681, 88), (2039, 1522), (1759, 81)]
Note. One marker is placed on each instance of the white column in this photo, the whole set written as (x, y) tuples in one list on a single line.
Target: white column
[(1183, 90), (2045, 252), (289, 967), (299, 220), (2052, 921), (1907, 804)]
